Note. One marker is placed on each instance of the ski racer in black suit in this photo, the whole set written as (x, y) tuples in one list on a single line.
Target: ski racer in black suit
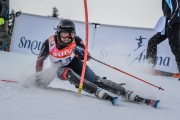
[(66, 51)]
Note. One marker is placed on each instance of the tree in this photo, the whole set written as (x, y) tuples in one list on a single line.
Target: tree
[(55, 12)]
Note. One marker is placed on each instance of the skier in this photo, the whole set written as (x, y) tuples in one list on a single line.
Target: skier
[(66, 51)]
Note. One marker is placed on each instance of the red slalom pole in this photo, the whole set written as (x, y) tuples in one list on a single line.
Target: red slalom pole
[(126, 73), (86, 50)]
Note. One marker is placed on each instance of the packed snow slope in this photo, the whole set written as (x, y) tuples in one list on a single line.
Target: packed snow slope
[(18, 102)]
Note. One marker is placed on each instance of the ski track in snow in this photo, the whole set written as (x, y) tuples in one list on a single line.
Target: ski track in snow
[(20, 103)]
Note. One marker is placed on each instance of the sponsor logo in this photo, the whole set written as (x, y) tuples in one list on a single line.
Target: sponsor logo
[(63, 53), (139, 54), (33, 45)]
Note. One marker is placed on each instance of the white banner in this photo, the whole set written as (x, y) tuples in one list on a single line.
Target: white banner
[(128, 44), (114, 44), (30, 31)]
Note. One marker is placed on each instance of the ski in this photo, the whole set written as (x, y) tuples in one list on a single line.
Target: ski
[(165, 74), (115, 101), (152, 103)]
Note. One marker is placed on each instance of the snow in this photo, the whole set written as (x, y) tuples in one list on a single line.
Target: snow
[(28, 103)]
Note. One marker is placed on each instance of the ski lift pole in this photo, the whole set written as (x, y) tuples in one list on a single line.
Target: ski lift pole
[(86, 50), (126, 73)]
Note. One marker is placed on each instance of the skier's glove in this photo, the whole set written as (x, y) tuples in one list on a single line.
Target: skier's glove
[(38, 79), (79, 52), (1, 21)]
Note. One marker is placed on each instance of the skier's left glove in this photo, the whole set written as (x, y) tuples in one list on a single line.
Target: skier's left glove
[(2, 21), (79, 52)]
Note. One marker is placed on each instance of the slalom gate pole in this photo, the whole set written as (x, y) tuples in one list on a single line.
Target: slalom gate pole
[(86, 50), (126, 73), (10, 81)]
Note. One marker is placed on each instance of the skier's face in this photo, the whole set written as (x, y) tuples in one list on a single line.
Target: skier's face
[(67, 36)]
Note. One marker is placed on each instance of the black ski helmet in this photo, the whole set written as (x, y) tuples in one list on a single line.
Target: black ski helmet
[(65, 25)]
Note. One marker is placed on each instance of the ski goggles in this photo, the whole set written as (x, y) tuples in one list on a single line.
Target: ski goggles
[(69, 35)]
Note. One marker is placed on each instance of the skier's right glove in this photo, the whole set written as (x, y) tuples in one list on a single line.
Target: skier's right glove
[(38, 79), (2, 21)]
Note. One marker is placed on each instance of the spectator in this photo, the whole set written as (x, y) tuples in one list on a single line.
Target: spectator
[(171, 11), (4, 16)]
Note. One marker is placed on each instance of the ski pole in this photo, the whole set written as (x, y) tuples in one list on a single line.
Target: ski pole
[(125, 73)]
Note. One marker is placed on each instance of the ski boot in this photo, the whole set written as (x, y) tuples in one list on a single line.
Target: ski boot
[(152, 103), (110, 86), (104, 94)]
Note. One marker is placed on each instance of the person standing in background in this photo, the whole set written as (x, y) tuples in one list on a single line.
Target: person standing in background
[(171, 11), (4, 16)]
